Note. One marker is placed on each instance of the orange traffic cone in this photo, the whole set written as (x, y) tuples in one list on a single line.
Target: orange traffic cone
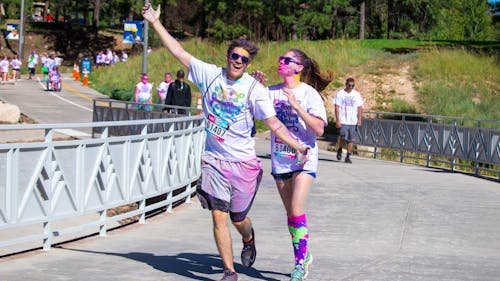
[(85, 80), (77, 73), (74, 70), (199, 107), (6, 77)]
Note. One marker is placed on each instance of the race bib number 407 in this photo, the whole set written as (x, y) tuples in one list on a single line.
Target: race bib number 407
[(216, 127)]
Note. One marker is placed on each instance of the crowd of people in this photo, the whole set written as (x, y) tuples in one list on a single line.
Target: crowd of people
[(50, 65), (108, 57), (172, 94)]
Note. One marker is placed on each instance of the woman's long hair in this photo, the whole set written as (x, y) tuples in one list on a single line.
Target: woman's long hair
[(311, 74)]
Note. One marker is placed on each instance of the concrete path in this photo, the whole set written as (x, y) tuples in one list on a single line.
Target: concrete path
[(74, 104), (372, 220)]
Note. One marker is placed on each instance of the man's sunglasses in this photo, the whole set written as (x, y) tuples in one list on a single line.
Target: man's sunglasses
[(235, 56), (350, 85), (288, 60)]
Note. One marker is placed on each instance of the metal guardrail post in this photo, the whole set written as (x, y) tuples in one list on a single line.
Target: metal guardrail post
[(477, 151), (402, 149), (376, 123)]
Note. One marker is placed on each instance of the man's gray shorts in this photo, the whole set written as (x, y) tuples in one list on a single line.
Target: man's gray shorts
[(349, 132)]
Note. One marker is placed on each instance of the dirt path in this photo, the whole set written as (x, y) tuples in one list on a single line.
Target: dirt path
[(380, 81)]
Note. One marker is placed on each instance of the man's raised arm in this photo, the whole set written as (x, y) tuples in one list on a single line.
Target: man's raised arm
[(153, 17)]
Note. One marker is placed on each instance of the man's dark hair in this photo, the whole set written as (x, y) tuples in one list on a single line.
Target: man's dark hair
[(180, 73), (242, 43)]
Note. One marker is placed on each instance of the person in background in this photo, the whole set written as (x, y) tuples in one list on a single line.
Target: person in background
[(124, 56), (4, 67), (99, 59), (15, 63), (179, 94), (231, 171), (115, 59), (162, 89), (32, 63), (45, 68), (348, 114), (142, 94)]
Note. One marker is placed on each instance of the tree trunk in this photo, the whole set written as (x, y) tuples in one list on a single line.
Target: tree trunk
[(362, 14), (390, 18), (334, 22), (97, 8), (163, 18)]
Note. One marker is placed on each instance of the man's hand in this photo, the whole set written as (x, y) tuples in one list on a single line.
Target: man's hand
[(337, 124), (302, 156), (150, 14), (259, 76)]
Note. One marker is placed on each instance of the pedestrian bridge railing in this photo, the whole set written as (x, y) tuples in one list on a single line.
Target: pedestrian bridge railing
[(448, 142), (61, 186)]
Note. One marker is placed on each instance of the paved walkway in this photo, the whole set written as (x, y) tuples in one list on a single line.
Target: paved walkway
[(372, 220), (73, 104)]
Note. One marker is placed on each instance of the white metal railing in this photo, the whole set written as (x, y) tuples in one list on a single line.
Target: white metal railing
[(455, 142), (61, 185)]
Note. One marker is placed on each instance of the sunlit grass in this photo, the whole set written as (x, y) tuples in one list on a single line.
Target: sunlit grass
[(337, 56), (450, 82), (457, 83)]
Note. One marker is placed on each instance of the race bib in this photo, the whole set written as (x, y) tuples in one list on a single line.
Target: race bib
[(216, 127), (282, 149)]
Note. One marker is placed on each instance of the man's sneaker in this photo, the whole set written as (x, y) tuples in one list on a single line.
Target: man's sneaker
[(249, 253), (300, 273), (339, 153), (229, 276), (348, 160)]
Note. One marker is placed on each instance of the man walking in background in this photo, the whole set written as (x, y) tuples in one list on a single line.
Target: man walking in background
[(179, 94), (348, 114)]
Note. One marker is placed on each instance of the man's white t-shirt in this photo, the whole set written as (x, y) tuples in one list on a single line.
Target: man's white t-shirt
[(16, 64), (33, 61), (283, 157), (348, 103), (162, 90), (229, 110)]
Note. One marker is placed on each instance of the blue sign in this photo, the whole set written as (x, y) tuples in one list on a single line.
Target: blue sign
[(11, 33), (132, 31)]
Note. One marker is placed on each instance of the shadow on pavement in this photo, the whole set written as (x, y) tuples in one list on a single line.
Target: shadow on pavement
[(187, 264)]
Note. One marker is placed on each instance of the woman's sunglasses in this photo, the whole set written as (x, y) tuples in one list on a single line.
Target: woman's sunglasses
[(235, 56), (288, 60)]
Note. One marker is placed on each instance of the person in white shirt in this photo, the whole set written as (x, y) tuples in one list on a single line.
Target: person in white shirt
[(348, 115), (4, 67), (108, 57), (299, 105), (32, 63), (142, 95), (15, 63), (162, 89), (115, 59), (231, 171), (100, 58), (124, 56)]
